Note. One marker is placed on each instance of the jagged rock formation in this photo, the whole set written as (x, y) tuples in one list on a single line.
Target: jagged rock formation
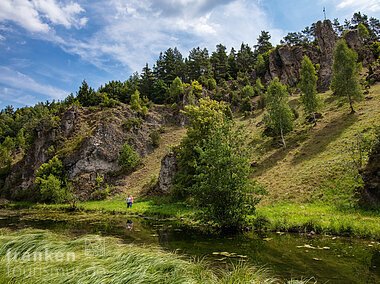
[(371, 177), (168, 170), (285, 61), (88, 143), (357, 43), (326, 39)]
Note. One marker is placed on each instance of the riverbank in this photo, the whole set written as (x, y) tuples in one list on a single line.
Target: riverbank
[(311, 218)]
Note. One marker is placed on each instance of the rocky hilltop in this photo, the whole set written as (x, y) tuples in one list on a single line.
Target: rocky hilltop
[(285, 61)]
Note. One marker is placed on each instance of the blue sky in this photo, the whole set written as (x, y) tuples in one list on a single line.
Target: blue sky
[(47, 47)]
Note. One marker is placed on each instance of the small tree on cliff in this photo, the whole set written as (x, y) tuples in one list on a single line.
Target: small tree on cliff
[(308, 86), (345, 81), (280, 116)]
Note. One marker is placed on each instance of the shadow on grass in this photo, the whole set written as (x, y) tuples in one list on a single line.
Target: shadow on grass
[(320, 139), (293, 141)]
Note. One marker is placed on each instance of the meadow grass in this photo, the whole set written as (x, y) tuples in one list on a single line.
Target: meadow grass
[(319, 218), (31, 256)]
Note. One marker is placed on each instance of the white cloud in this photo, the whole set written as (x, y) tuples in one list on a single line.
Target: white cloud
[(19, 81), (37, 15), (367, 6), (134, 32), (15, 97)]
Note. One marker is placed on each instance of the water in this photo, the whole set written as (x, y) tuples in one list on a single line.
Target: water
[(326, 258)]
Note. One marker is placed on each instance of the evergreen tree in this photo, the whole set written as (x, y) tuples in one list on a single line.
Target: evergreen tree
[(170, 65), (86, 95), (308, 86), (263, 43), (219, 61), (280, 116), (115, 90), (147, 83), (232, 64), (198, 64), (345, 81), (245, 59)]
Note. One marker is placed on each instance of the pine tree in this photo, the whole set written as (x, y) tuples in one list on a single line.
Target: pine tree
[(279, 113), (345, 81), (219, 61), (263, 44), (147, 83), (308, 86)]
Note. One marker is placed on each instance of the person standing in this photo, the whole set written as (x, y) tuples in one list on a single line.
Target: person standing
[(129, 201)]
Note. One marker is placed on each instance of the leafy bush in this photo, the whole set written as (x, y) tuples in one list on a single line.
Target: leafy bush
[(51, 182), (132, 123), (51, 190), (155, 138), (129, 159)]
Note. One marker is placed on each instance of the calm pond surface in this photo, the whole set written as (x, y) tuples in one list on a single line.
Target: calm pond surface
[(327, 259)]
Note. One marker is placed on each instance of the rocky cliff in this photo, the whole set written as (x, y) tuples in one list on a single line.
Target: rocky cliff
[(88, 142), (285, 61)]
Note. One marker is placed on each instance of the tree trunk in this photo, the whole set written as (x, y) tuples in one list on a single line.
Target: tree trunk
[(283, 139), (352, 108)]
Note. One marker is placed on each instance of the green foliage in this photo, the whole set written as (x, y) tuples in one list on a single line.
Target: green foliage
[(51, 182), (196, 89), (51, 189), (345, 81), (176, 90), (261, 65), (280, 116), (363, 31), (87, 96), (137, 104), (116, 91), (308, 86), (213, 166), (219, 62), (129, 159), (155, 138), (132, 123)]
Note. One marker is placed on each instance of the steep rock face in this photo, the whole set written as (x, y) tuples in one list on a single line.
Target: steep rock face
[(167, 172), (371, 177), (285, 61), (88, 143), (326, 39), (356, 42)]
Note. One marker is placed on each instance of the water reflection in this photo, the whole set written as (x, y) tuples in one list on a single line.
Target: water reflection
[(327, 258)]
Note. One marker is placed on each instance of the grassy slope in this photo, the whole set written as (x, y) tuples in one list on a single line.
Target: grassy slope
[(315, 163), (151, 164)]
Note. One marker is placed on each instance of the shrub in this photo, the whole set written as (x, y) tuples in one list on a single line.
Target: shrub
[(155, 138), (51, 182), (129, 159), (132, 123)]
